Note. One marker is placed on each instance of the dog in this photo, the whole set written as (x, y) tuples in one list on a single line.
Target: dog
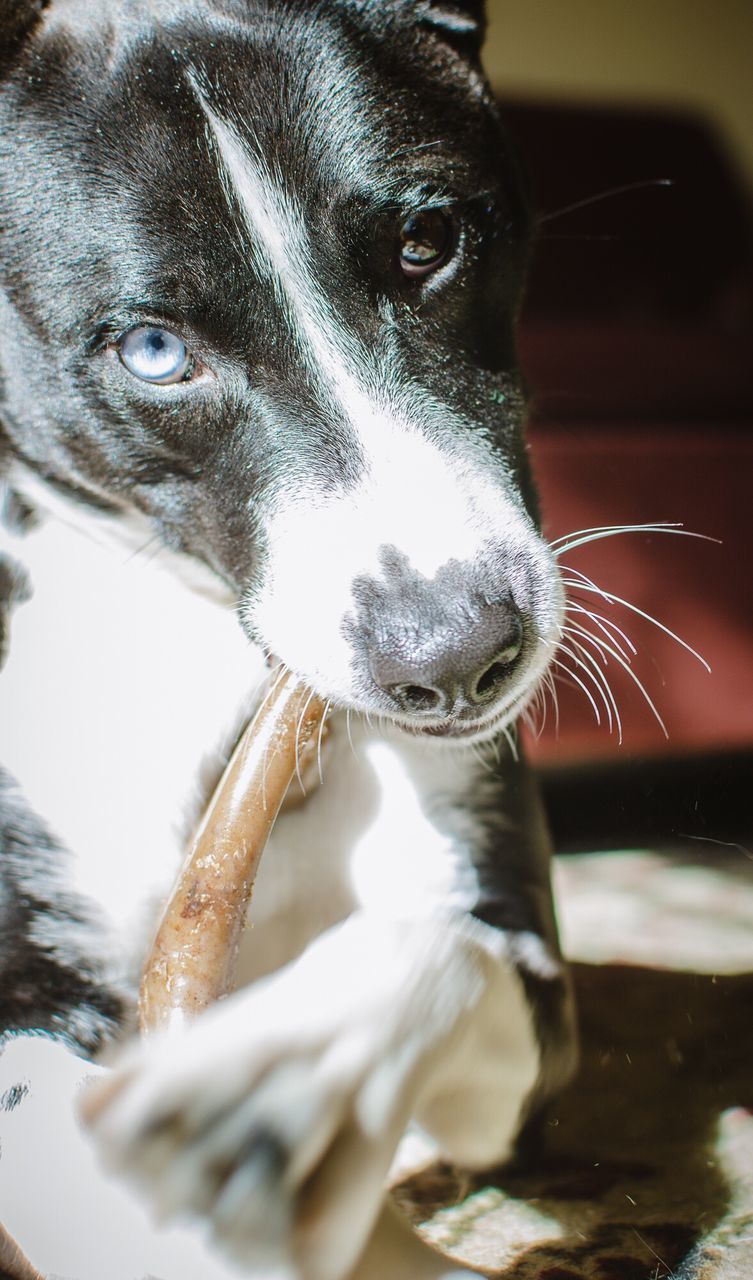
[(261, 265)]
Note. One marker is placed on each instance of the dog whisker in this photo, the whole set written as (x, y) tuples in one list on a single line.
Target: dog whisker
[(542, 707), (609, 529), (609, 194), (639, 684), (539, 706), (600, 677), (550, 683), (563, 677), (281, 671), (529, 720), (576, 630), (573, 677), (567, 542), (603, 646), (327, 706), (145, 547), (477, 751), (511, 742), (536, 712), (606, 625), (411, 150), (594, 673), (299, 726), (587, 585)]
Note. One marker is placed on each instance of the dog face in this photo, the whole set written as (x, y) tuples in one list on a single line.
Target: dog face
[(261, 265)]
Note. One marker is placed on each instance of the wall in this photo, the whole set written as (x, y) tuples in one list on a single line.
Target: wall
[(691, 53)]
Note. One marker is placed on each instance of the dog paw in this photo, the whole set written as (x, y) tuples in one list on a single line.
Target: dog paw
[(279, 1139)]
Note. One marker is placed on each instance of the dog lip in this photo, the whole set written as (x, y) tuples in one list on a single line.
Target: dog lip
[(456, 731), (447, 730)]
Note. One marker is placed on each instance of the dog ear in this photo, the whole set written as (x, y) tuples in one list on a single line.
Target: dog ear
[(17, 20), (463, 22)]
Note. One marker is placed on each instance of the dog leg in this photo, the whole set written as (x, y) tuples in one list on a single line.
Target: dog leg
[(276, 1115)]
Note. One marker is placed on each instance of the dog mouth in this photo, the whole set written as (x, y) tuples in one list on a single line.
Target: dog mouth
[(463, 731), (455, 730), (452, 730)]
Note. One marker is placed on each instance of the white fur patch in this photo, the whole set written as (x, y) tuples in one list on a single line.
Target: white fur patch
[(319, 550), (390, 832), (413, 861), (122, 679)]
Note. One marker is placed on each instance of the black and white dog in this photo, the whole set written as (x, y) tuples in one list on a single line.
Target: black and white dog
[(261, 261)]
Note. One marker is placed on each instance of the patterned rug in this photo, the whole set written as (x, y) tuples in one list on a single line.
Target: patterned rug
[(645, 1165)]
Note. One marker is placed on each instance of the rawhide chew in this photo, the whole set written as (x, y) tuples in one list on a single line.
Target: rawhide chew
[(13, 1262), (193, 956)]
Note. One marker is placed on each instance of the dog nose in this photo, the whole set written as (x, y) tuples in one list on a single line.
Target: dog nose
[(461, 667)]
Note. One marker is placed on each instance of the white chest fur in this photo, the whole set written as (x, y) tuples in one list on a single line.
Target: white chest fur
[(122, 680), (385, 833), (128, 681)]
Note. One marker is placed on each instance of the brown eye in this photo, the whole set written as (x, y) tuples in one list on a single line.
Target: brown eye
[(425, 242)]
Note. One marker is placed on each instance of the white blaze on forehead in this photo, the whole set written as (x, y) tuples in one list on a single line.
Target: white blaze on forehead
[(280, 242), (373, 398), (422, 492), (376, 400)]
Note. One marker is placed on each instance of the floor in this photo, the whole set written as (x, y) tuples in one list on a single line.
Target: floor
[(646, 1169)]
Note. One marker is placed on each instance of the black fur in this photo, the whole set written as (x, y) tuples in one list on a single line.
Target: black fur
[(14, 589), (106, 128), (112, 214), (50, 979), (516, 852)]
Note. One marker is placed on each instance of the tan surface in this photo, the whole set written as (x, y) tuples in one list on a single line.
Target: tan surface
[(687, 53)]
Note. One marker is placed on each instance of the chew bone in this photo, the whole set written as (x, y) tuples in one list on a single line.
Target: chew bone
[(13, 1260), (193, 956)]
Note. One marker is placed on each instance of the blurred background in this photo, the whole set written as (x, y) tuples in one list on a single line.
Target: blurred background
[(690, 54), (637, 343)]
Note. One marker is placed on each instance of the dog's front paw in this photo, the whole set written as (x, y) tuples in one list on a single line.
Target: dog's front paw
[(276, 1125)]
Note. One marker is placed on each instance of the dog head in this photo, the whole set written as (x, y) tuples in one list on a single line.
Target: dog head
[(261, 263)]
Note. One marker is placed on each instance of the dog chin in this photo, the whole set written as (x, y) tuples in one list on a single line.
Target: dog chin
[(458, 732)]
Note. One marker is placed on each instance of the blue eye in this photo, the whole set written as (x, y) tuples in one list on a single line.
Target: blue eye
[(154, 355)]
